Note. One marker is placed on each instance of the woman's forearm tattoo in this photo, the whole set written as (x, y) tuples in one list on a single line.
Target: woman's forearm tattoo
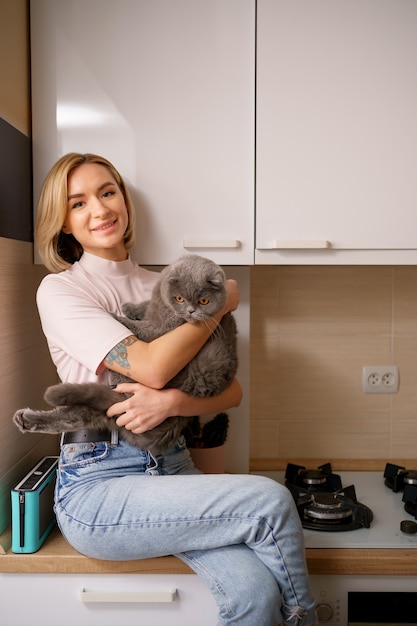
[(119, 354)]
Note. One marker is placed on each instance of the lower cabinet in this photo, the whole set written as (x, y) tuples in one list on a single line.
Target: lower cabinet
[(105, 599)]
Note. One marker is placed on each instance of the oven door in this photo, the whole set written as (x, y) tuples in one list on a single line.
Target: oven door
[(365, 600), (382, 608)]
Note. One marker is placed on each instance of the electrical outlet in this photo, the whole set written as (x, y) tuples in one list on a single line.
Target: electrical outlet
[(380, 379)]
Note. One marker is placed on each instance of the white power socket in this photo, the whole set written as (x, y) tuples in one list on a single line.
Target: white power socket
[(380, 379)]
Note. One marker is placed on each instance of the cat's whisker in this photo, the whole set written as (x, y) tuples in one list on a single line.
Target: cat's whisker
[(215, 329)]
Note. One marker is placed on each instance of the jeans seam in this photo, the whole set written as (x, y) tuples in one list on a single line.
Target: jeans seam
[(207, 575)]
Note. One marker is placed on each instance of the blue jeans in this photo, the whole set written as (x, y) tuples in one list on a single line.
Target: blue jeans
[(240, 533)]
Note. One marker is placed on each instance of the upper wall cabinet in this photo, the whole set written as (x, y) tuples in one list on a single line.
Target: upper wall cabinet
[(336, 131), (165, 90)]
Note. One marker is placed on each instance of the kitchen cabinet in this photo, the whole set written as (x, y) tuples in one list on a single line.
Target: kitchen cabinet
[(165, 90), (46, 599), (336, 132)]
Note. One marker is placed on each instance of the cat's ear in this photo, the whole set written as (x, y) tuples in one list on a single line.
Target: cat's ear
[(218, 279)]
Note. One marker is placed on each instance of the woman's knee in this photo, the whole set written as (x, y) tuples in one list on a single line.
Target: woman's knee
[(272, 491)]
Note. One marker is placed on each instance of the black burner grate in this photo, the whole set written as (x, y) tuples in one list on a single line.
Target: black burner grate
[(322, 502)]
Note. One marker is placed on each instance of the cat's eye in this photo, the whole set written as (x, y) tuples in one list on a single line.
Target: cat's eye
[(179, 299), (203, 301)]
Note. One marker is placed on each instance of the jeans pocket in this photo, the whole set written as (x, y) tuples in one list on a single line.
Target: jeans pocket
[(77, 455), (177, 460)]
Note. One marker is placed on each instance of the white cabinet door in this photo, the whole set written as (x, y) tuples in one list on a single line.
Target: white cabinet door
[(50, 599), (336, 131), (165, 90)]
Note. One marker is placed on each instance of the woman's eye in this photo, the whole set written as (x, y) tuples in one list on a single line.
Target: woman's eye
[(107, 194), (203, 301), (179, 299), (77, 205)]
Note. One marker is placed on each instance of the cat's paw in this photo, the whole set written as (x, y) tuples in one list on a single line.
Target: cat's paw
[(134, 311), (20, 420)]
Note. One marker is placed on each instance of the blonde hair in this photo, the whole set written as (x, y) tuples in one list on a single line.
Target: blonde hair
[(57, 250)]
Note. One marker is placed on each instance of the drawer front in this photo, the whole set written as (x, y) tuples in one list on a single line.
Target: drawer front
[(85, 599)]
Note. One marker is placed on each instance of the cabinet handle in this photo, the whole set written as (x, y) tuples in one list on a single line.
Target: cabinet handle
[(300, 244), (211, 243), (124, 596)]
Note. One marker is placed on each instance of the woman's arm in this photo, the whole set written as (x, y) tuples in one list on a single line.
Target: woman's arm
[(147, 407), (154, 364)]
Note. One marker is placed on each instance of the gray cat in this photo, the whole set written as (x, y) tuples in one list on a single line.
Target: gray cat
[(191, 289)]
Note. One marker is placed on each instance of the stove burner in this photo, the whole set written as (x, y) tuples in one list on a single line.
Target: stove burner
[(394, 476), (410, 499), (314, 477), (398, 478), (327, 506), (305, 481), (411, 477), (322, 502)]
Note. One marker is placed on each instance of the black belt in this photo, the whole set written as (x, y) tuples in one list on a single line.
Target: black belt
[(84, 435)]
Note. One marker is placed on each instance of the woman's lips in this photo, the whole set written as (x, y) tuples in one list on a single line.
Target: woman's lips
[(105, 226)]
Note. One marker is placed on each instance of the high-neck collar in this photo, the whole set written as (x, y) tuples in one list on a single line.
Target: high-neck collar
[(97, 264)]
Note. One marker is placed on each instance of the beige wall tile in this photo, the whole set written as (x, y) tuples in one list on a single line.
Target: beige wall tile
[(312, 331), (404, 438), (14, 64), (405, 301), (405, 355), (322, 375), (341, 300), (27, 366), (353, 438), (264, 437)]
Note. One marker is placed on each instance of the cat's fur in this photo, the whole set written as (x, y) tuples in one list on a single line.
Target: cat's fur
[(175, 299)]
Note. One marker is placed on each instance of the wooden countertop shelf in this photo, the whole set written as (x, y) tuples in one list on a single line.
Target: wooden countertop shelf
[(57, 557), (362, 561)]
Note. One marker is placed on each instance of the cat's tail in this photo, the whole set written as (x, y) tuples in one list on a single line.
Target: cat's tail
[(94, 395)]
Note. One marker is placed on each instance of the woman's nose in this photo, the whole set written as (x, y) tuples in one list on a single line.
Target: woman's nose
[(99, 207)]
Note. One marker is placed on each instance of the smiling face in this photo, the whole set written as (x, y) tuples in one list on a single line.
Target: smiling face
[(96, 216)]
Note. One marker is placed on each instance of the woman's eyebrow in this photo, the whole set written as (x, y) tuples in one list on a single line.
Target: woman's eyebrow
[(76, 195), (80, 195)]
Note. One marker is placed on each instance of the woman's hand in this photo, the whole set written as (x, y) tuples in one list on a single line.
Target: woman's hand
[(145, 409), (233, 295), (148, 407)]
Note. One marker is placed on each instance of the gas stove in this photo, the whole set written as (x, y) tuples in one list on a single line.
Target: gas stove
[(386, 507), (323, 503)]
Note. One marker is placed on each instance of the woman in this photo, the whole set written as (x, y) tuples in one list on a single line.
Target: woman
[(241, 534)]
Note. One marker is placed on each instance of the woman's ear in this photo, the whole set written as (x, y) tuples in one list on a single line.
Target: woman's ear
[(65, 229)]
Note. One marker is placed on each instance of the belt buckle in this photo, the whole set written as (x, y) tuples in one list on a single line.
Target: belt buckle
[(114, 437)]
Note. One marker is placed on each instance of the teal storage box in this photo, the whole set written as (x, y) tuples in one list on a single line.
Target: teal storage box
[(33, 515)]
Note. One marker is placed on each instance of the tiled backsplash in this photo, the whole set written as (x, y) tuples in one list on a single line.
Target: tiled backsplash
[(313, 328)]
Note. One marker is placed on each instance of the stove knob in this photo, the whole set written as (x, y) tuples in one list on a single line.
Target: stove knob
[(408, 526), (324, 612)]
